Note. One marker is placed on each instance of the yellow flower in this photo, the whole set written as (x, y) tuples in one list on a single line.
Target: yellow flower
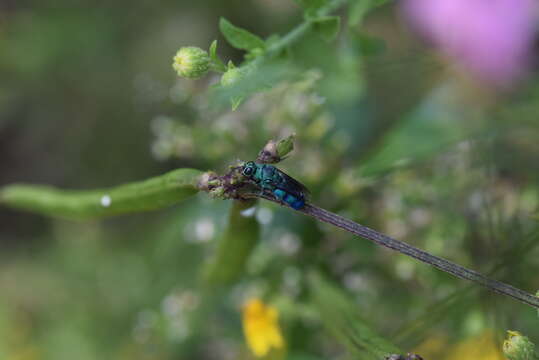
[(261, 328), (479, 347)]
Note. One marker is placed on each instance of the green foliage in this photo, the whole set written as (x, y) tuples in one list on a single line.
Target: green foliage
[(341, 316), (519, 347), (367, 45), (385, 135), (312, 5), (154, 193), (260, 53), (240, 82), (360, 8), (218, 63), (327, 26), (240, 38), (228, 264), (401, 146), (285, 146)]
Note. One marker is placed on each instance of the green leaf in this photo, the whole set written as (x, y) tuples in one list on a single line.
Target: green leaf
[(235, 102), (379, 2), (327, 26), (151, 194), (357, 12), (367, 45), (340, 315), (311, 5), (360, 8), (235, 246), (213, 49), (286, 145), (272, 39), (240, 38), (218, 64), (253, 80), (400, 146)]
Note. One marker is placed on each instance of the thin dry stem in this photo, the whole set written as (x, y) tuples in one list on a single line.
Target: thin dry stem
[(409, 250)]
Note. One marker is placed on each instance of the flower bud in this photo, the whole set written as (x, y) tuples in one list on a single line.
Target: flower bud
[(269, 155), (518, 347), (285, 146), (273, 151), (231, 76), (191, 62)]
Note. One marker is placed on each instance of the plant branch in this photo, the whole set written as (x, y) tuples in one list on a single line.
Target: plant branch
[(300, 30), (423, 256)]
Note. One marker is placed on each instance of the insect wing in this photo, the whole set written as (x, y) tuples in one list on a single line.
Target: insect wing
[(292, 185)]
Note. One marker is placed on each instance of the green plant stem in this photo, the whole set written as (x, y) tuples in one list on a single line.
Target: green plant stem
[(252, 81), (423, 256), (235, 246), (300, 30), (217, 67), (150, 194), (294, 35)]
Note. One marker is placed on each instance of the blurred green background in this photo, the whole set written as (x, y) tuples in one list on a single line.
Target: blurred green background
[(388, 134)]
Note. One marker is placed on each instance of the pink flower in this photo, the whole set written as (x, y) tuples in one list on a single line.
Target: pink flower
[(492, 39)]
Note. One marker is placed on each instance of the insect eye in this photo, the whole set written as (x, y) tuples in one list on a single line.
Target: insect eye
[(247, 171)]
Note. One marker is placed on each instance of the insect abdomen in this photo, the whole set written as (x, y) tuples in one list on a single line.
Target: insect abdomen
[(294, 201)]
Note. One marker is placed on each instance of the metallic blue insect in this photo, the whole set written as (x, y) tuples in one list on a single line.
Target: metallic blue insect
[(282, 186)]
